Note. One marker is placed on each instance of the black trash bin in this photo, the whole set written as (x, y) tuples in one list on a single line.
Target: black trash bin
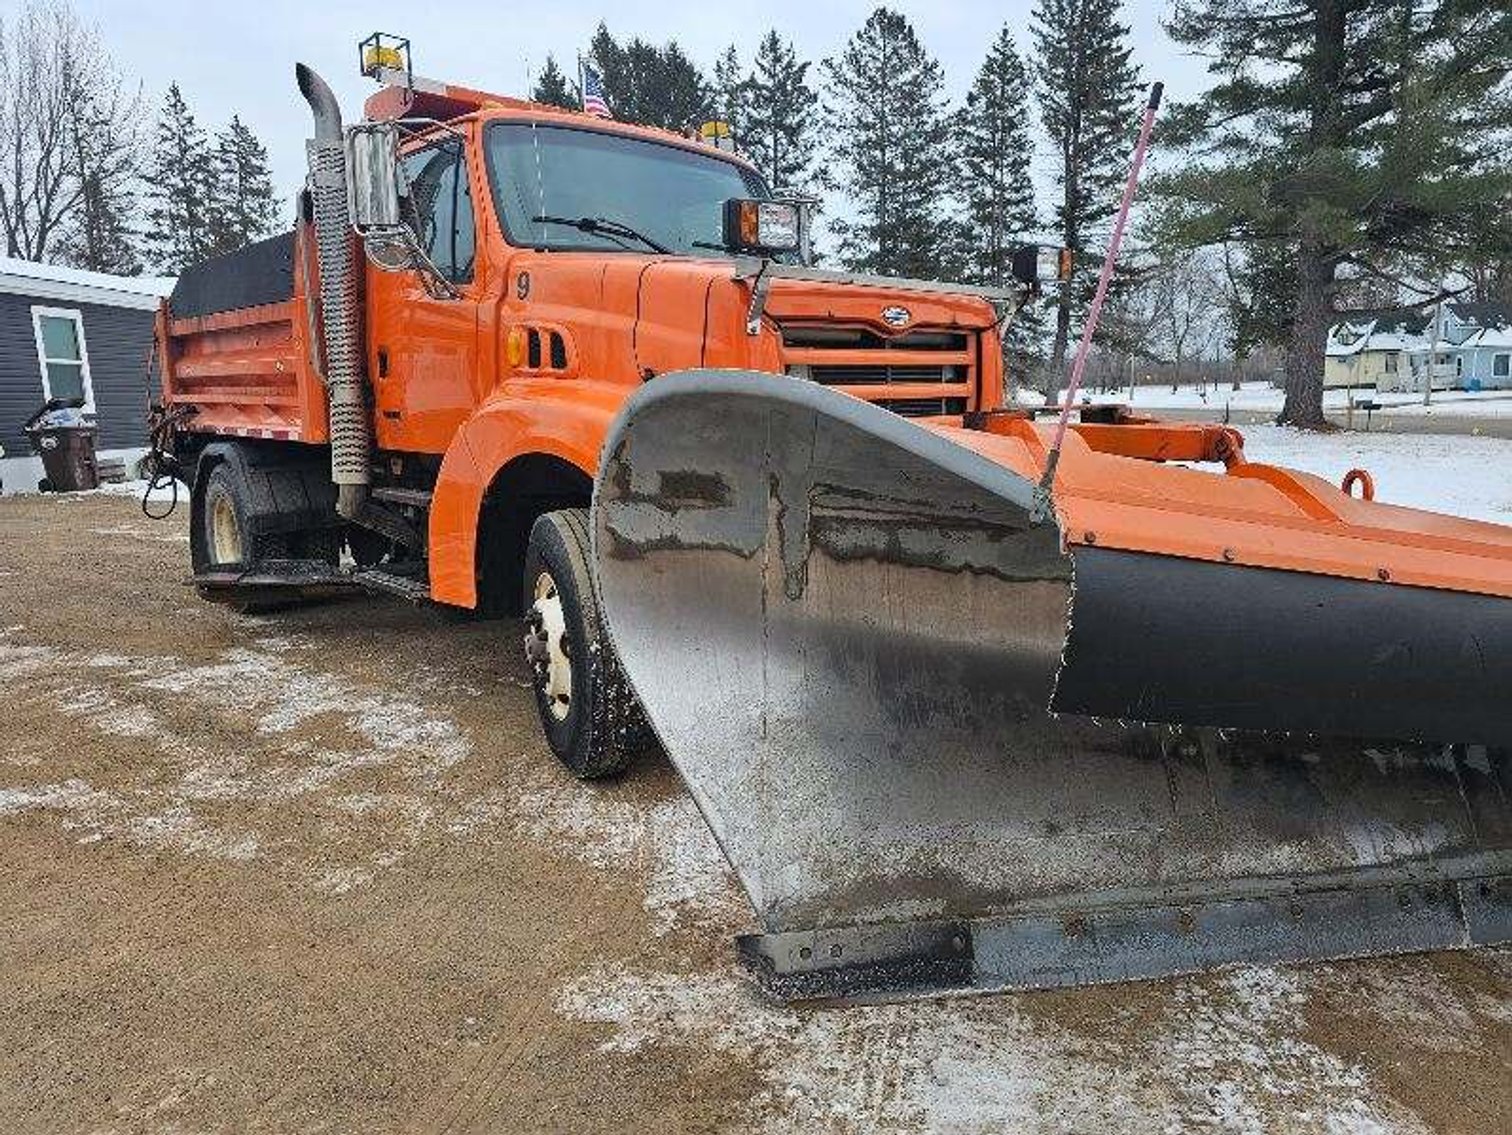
[(66, 445)]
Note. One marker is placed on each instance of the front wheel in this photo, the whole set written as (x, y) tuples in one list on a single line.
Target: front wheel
[(590, 715)]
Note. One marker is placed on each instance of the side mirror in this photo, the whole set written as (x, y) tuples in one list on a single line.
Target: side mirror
[(1035, 265), (374, 199), (372, 176)]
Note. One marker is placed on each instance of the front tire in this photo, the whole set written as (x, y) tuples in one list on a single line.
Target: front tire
[(590, 715)]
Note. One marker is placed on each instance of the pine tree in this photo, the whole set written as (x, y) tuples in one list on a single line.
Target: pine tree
[(884, 107), (780, 114), (996, 189), (1087, 97), (243, 207), (100, 233), (996, 151), (731, 92), (181, 183), (553, 89), (655, 86), (1365, 139), (100, 236)]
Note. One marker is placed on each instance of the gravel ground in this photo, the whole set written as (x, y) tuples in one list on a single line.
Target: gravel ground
[(316, 872)]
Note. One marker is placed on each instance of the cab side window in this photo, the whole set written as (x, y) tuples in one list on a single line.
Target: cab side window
[(442, 205)]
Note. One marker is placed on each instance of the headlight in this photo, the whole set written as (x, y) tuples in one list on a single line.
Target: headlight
[(761, 226)]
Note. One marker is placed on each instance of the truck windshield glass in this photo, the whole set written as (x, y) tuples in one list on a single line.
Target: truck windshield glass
[(673, 196)]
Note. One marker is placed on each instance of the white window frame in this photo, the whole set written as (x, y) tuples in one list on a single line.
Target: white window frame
[(73, 313), (1506, 360)]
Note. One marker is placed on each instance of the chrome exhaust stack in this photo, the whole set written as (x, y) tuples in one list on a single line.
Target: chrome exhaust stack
[(340, 311)]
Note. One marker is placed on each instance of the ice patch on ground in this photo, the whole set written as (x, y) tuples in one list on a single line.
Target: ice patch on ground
[(69, 794), (286, 696), (17, 662), (342, 880), (149, 703), (97, 814), (688, 881), (1226, 1055), (1413, 998), (136, 532), (1242, 1061), (315, 732)]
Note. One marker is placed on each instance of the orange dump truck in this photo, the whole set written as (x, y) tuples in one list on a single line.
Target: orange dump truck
[(954, 727)]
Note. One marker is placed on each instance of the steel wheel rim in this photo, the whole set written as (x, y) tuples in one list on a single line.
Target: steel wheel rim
[(225, 533), (548, 648)]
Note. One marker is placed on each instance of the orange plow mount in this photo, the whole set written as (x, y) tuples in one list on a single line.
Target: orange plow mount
[(1193, 719)]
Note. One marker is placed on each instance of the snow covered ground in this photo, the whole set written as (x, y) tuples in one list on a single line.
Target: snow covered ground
[(1463, 476), (162, 493), (1262, 397)]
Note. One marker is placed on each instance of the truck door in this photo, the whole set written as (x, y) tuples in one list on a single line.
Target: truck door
[(423, 350)]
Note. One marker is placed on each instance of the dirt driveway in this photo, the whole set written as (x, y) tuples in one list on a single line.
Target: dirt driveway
[(315, 872)]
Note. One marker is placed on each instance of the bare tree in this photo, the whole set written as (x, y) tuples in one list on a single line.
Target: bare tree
[(68, 128), (1187, 305)]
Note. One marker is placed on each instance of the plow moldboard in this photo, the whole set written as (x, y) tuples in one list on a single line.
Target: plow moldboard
[(847, 633)]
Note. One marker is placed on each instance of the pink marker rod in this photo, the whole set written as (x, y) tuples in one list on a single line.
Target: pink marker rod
[(1084, 348)]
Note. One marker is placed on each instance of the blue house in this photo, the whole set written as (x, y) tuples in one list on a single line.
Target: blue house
[(1486, 359)]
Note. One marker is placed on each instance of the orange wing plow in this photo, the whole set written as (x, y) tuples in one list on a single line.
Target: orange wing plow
[(1194, 719)]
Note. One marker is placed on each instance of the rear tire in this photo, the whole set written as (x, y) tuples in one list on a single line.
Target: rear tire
[(589, 713), (227, 537)]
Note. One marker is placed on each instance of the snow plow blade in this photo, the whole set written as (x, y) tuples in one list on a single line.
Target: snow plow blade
[(946, 748)]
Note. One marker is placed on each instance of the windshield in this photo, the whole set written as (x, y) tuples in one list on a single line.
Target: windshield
[(665, 194)]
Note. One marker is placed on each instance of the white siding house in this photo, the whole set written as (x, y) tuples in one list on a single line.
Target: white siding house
[(1390, 350)]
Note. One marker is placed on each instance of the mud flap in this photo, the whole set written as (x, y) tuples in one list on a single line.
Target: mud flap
[(849, 635)]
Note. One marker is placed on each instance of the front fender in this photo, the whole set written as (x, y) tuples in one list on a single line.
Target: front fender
[(566, 419)]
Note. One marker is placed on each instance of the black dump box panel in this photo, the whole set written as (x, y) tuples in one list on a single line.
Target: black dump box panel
[(258, 274)]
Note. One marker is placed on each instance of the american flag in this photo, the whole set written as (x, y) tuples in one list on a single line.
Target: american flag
[(593, 93)]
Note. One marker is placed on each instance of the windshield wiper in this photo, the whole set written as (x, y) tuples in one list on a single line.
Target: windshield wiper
[(605, 226)]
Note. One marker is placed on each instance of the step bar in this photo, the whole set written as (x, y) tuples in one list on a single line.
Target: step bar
[(288, 581)]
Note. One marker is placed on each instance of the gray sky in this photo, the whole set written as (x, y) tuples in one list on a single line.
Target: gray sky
[(240, 57)]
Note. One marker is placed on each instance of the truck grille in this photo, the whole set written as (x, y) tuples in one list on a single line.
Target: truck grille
[(920, 373), (923, 407), (862, 339), (881, 375)]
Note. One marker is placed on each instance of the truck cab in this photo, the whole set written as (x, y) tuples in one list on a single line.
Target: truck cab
[(474, 286), (588, 257)]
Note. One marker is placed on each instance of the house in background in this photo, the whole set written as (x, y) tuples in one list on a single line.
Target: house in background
[(1486, 359), (1373, 349), (1459, 324), (67, 333), (1390, 350)]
